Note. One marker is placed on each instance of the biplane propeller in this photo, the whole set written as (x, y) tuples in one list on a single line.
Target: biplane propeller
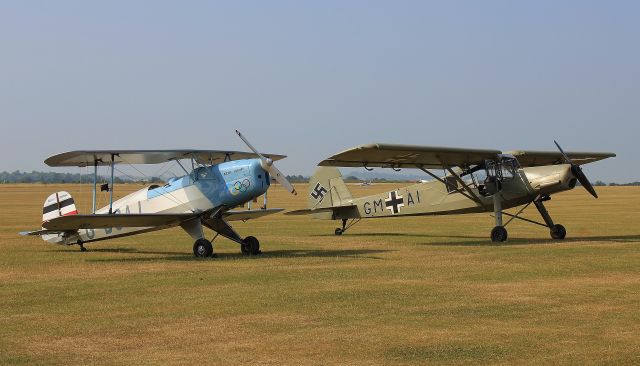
[(474, 181), (207, 196)]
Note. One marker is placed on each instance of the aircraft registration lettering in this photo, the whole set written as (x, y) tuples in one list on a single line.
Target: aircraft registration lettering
[(394, 202)]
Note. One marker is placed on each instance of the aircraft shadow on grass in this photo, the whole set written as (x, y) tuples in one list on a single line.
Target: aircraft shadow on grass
[(186, 256), (482, 241)]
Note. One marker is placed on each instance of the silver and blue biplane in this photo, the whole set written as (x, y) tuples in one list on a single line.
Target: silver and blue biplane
[(207, 196)]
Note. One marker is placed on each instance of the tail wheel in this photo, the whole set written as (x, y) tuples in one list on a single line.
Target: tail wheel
[(558, 232), (338, 231), (250, 246), (202, 248), (498, 234)]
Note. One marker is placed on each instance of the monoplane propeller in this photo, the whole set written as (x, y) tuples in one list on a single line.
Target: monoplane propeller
[(267, 165), (578, 173)]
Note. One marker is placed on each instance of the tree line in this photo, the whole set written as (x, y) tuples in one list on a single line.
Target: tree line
[(52, 177)]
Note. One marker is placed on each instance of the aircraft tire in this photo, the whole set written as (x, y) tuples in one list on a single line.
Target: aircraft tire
[(202, 248), (558, 232), (338, 231), (499, 234), (250, 246)]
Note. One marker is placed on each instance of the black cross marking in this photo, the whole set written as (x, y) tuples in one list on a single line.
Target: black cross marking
[(394, 202), (318, 192)]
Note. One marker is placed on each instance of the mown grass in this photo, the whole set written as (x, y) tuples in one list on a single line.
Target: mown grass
[(390, 291)]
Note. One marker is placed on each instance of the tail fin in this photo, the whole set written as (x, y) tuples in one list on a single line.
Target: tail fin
[(327, 189), (58, 204)]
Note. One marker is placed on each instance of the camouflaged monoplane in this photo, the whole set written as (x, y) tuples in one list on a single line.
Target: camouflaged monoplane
[(219, 182), (473, 181)]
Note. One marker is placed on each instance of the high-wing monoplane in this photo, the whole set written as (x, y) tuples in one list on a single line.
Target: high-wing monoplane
[(473, 181), (208, 195)]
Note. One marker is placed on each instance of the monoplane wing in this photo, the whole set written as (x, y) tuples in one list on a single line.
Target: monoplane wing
[(249, 214), (536, 158), (84, 158), (407, 156), (76, 222)]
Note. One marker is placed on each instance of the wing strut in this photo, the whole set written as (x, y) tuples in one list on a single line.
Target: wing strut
[(111, 190), (95, 182), (473, 198), (464, 185)]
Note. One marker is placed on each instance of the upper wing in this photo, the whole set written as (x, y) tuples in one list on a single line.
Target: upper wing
[(407, 156), (75, 222), (249, 214), (103, 157), (537, 158)]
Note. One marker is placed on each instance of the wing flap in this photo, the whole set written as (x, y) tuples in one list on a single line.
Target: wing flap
[(408, 156), (76, 222)]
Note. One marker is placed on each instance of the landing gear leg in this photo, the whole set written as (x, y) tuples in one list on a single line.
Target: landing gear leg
[(557, 231), (340, 231), (81, 244), (499, 233)]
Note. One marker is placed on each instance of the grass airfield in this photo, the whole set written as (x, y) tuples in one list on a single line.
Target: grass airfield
[(389, 291)]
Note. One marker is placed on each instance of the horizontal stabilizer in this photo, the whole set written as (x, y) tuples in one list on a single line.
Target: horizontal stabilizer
[(318, 210), (249, 214), (76, 222)]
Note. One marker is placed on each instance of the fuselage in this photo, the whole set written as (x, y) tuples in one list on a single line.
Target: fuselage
[(227, 184), (519, 187)]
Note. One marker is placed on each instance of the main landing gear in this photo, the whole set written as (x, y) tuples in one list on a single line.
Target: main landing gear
[(250, 246), (499, 233), (345, 227), (202, 248)]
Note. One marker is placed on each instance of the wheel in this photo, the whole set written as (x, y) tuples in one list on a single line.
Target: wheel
[(83, 249), (250, 246), (338, 231), (558, 232), (202, 248), (498, 234)]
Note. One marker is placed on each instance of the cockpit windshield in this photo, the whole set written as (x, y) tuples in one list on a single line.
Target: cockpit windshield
[(509, 165)]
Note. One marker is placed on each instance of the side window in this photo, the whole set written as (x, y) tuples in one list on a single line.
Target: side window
[(452, 184)]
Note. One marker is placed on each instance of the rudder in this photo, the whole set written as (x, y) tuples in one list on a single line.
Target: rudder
[(327, 189), (56, 205)]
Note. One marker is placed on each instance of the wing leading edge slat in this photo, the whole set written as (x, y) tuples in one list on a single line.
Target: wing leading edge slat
[(536, 158)]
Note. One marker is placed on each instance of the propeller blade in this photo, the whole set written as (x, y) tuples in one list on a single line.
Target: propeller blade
[(267, 164), (280, 178), (566, 157), (577, 172), (582, 178), (250, 146)]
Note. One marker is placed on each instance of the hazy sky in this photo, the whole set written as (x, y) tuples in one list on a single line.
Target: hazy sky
[(309, 79)]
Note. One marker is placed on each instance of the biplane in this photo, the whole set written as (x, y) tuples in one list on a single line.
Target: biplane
[(207, 196), (473, 181)]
